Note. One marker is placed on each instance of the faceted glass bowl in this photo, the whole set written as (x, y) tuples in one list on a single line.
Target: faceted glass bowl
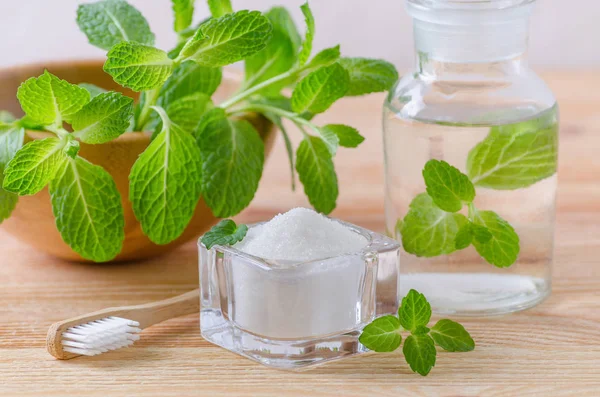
[(292, 315)]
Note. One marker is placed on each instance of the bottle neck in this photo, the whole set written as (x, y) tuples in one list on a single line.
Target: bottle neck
[(471, 44), (463, 33)]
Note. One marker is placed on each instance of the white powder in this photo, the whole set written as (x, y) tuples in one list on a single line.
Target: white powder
[(300, 235)]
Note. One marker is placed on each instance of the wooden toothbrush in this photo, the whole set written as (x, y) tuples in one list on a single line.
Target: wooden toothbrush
[(116, 327)]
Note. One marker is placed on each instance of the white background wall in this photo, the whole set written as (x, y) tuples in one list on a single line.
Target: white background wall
[(564, 33)]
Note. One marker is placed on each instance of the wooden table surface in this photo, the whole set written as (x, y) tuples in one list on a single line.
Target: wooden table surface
[(551, 350)]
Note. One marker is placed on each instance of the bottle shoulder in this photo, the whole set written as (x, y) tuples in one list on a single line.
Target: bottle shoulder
[(463, 99)]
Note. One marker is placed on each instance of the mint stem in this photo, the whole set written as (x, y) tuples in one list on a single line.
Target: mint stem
[(252, 90), (151, 98)]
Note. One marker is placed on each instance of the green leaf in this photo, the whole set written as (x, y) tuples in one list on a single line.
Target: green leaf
[(33, 166), (218, 8), (481, 233), (348, 136), (228, 39), (104, 118), (71, 147), (514, 156), (452, 336), (225, 232), (276, 58), (282, 21), (320, 89), (331, 139), (502, 249), (94, 90), (317, 174), (414, 311), (183, 10), (139, 67), (6, 117), (186, 112), (464, 237), (232, 162), (48, 100), (325, 57), (110, 22), (429, 231), (309, 35), (11, 140), (8, 202), (382, 335), (369, 75), (447, 186), (164, 183), (421, 330), (419, 352), (187, 79), (88, 211)]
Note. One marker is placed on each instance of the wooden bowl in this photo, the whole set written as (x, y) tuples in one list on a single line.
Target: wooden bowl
[(32, 220)]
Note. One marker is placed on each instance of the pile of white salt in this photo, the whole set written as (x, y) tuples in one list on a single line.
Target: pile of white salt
[(300, 235), (320, 296)]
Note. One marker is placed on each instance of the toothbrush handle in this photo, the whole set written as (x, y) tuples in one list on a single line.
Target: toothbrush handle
[(156, 312), (146, 314)]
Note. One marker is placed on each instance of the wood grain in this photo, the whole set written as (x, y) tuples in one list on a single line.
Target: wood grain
[(552, 350)]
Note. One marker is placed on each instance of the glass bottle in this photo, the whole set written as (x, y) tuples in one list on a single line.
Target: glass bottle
[(474, 104)]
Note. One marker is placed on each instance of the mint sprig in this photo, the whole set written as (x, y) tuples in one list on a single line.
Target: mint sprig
[(433, 225), (384, 334), (226, 232), (200, 148)]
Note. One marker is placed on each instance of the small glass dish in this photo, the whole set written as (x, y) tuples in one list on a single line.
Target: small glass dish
[(292, 315)]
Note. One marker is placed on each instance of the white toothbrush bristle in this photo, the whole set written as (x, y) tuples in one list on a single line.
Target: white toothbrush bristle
[(100, 336)]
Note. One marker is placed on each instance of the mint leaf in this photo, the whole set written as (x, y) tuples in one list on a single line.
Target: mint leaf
[(104, 118), (317, 91), (369, 75), (429, 231), (481, 233), (48, 100), (71, 146), (187, 111), (187, 79), (276, 58), (33, 166), (165, 181), (317, 174), (109, 22), (11, 140), (88, 211), (514, 157), (228, 39), (232, 162), (382, 335), (183, 10), (218, 8), (325, 57), (502, 249), (331, 140), (6, 117), (8, 202), (452, 336), (282, 21), (419, 352), (447, 186), (94, 90), (421, 330), (309, 35), (348, 136), (225, 232), (463, 237), (139, 67), (414, 311)]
